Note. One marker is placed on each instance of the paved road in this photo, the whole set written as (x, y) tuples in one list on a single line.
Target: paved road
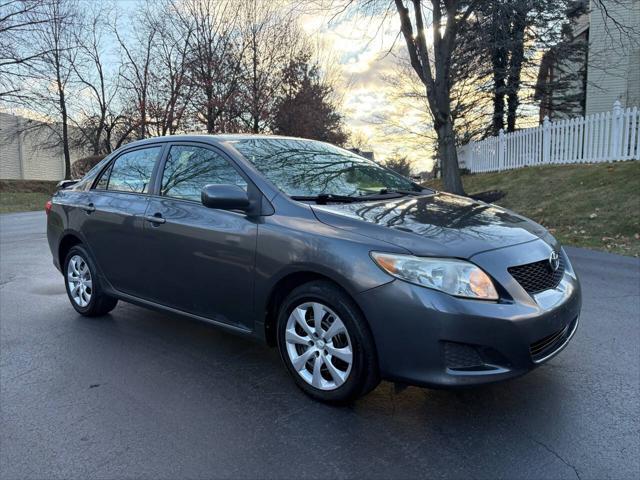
[(139, 394)]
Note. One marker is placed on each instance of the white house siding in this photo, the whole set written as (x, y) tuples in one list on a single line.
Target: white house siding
[(25, 152), (613, 71)]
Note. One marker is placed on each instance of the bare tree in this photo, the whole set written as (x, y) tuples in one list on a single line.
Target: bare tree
[(18, 19), (97, 84), (215, 60), (270, 35), (60, 59), (136, 75), (100, 82), (170, 96), (432, 63), (120, 127), (73, 84), (49, 74), (435, 73), (358, 141)]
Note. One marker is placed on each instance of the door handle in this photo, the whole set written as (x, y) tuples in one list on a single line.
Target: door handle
[(155, 219), (88, 208)]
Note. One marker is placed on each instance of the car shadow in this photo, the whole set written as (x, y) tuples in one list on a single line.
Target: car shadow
[(177, 377), (201, 351)]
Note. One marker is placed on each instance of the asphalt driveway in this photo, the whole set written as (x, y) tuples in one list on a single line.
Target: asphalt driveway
[(139, 394)]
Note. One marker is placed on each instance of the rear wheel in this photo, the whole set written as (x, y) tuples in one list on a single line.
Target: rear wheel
[(83, 286), (326, 344)]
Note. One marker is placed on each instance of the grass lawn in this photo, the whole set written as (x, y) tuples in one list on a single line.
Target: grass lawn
[(24, 195), (590, 205)]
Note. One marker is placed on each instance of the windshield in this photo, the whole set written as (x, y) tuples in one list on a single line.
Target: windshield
[(307, 168)]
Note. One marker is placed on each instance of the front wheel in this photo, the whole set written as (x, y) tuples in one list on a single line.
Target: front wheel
[(325, 343), (83, 286)]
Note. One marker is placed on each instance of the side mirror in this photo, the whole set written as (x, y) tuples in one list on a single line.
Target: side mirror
[(61, 185), (225, 197)]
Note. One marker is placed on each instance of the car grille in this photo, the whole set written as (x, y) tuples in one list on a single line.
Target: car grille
[(547, 345), (538, 276)]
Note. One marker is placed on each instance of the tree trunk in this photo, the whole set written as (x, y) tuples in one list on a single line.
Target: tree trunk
[(513, 102), (98, 133), (62, 103), (65, 138), (143, 117), (515, 68), (211, 126), (437, 87), (254, 100), (497, 122), (499, 60), (209, 110), (107, 141), (449, 159)]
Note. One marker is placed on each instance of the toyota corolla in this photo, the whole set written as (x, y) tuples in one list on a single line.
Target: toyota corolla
[(354, 272)]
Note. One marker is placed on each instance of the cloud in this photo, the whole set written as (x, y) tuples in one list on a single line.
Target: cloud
[(365, 51)]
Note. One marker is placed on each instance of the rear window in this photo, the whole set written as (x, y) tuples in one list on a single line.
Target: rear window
[(130, 172)]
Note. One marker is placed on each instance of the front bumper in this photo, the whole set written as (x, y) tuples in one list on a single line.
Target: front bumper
[(428, 338)]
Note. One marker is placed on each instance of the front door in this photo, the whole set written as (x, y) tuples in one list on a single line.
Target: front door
[(201, 259), (114, 227)]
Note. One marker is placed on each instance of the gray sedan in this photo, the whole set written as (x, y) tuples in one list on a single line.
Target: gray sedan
[(354, 272)]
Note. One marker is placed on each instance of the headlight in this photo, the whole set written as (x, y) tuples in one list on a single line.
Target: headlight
[(455, 277)]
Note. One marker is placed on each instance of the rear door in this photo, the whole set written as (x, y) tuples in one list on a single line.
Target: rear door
[(201, 259), (114, 222)]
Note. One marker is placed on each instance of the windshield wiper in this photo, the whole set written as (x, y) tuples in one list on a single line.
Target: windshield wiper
[(382, 194), (386, 191), (322, 198)]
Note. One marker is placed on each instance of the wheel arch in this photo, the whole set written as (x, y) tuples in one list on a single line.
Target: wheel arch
[(282, 288), (68, 241)]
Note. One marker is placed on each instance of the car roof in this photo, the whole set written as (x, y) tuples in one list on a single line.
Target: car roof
[(216, 139)]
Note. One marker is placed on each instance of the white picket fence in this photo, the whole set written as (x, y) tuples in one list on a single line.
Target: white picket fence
[(602, 137)]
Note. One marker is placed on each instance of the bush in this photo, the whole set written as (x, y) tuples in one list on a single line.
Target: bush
[(81, 166), (399, 164), (28, 186)]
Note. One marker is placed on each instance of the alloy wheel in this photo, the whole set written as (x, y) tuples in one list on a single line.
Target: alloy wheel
[(319, 346), (79, 281)]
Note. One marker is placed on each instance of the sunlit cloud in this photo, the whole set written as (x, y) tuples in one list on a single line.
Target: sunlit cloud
[(365, 51)]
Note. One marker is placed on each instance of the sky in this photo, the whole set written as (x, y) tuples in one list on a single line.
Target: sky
[(354, 49), (360, 53), (363, 53)]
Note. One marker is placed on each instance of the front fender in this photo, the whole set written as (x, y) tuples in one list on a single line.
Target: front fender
[(287, 246)]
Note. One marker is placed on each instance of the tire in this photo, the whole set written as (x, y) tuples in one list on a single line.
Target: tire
[(87, 297), (343, 330)]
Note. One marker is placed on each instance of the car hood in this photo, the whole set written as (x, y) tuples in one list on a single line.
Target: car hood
[(435, 225)]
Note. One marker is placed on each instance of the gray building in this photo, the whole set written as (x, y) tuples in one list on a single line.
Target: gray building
[(30, 150)]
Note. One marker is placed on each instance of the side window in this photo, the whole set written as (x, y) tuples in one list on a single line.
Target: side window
[(131, 172), (103, 181), (190, 168)]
